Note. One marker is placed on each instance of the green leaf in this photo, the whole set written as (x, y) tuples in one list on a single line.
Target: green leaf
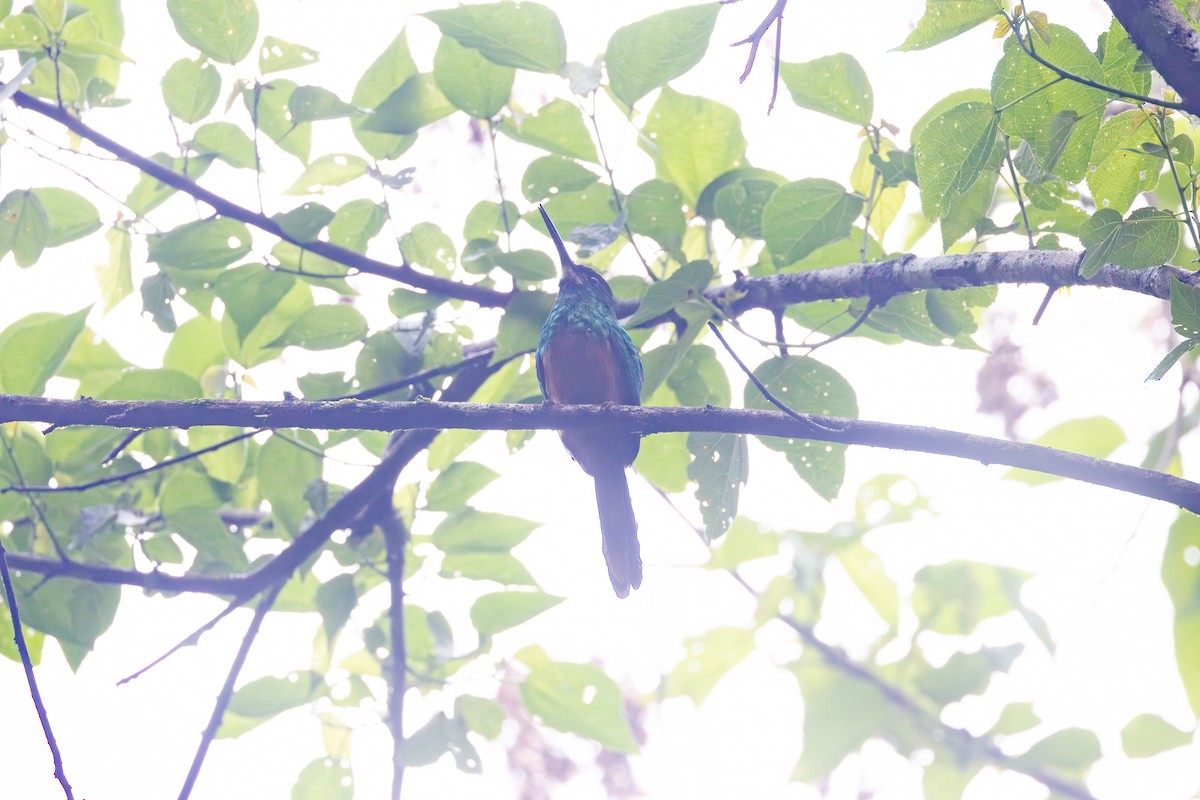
[(276, 55), (261, 699), (417, 103), (324, 779), (501, 567), (556, 127), (329, 170), (356, 224), (1123, 62), (324, 327), (525, 265), (149, 193), (953, 150), (720, 466), (284, 472), (1185, 308), (305, 222), (521, 324), (523, 35), (1181, 577), (403, 302), (551, 175), (945, 19), (809, 387), (656, 210), (73, 612), (1148, 238), (1031, 99), (709, 657), (227, 142), (830, 733), (439, 736), (692, 141), (700, 379), (470, 81), (737, 198), (428, 246), (647, 54), (865, 568), (746, 541), (953, 598), (1148, 735), (23, 32), (685, 283), (966, 673), (268, 107), (1117, 174), (70, 216), (24, 227), (457, 484), (202, 244), (576, 698), (470, 531), (806, 214), (1097, 437), (190, 89), (499, 611), (1071, 751), (386, 74), (223, 30), (249, 292), (335, 599), (115, 277), (226, 464), (482, 715), (34, 347), (311, 103), (835, 85), (152, 384)]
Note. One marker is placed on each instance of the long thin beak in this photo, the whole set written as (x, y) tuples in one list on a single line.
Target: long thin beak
[(558, 242)]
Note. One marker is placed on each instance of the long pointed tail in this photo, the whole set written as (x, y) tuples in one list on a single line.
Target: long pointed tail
[(618, 527)]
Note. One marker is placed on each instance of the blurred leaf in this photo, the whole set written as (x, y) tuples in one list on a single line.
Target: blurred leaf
[(692, 140), (1097, 437), (576, 698), (1148, 735), (708, 658), (499, 611)]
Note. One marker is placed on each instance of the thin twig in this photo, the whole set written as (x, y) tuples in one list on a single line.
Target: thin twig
[(226, 693), (27, 662), (395, 537), (481, 295)]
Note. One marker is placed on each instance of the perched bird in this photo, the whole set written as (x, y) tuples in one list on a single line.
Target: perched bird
[(584, 356)]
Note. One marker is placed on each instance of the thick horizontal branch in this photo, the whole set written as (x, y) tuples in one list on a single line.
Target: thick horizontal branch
[(1163, 33), (886, 279), (403, 273), (358, 415), (879, 281)]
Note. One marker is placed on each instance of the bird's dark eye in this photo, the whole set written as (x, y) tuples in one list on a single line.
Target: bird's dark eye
[(596, 280)]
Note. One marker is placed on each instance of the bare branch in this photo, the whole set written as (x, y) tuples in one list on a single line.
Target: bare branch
[(402, 273), (423, 419), (27, 662), (214, 722)]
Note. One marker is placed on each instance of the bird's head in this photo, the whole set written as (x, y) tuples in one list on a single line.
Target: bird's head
[(582, 282)]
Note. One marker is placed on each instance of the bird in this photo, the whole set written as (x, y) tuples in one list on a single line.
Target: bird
[(584, 356)]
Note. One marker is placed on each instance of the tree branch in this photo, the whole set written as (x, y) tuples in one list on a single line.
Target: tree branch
[(423, 419), (214, 722), (402, 273), (14, 614), (1165, 36)]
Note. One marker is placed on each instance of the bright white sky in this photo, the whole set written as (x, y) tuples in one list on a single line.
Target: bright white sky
[(1095, 552)]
